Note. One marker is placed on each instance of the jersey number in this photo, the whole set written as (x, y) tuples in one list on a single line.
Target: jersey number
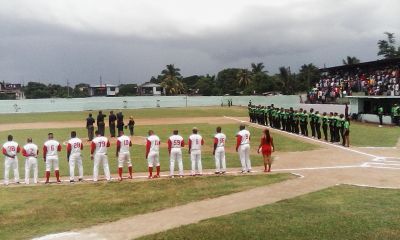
[(11, 148), (102, 144), (177, 142), (126, 142), (77, 145)]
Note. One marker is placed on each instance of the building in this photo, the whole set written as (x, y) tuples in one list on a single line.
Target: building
[(151, 89), (13, 91), (103, 90)]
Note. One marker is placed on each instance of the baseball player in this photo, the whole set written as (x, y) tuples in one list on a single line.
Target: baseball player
[(243, 147), (123, 154), (74, 156), (153, 153), (175, 143), (10, 151), (195, 143), (31, 152), (50, 156), (98, 153), (219, 151)]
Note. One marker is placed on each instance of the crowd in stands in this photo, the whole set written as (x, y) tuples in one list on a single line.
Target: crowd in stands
[(379, 81)]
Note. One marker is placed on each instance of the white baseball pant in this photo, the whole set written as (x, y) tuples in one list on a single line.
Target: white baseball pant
[(75, 158), (52, 161), (220, 159), (176, 155), (104, 159), (31, 163), (153, 159), (244, 155), (195, 157), (124, 157), (11, 163)]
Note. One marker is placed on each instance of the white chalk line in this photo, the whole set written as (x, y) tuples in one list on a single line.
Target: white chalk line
[(310, 139), (369, 186)]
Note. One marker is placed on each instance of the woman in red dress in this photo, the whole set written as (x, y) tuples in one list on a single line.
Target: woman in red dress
[(266, 147)]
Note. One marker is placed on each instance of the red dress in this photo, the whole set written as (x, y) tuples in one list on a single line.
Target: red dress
[(266, 146)]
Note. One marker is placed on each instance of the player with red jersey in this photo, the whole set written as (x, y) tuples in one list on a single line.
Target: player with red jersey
[(153, 153), (50, 156)]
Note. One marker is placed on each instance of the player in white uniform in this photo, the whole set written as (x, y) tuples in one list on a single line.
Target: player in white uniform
[(175, 143), (31, 152), (243, 147), (74, 156), (153, 153), (123, 154), (50, 156), (98, 153), (219, 151), (195, 143), (10, 151)]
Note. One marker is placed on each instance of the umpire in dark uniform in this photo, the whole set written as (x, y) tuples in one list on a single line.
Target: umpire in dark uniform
[(120, 122), (111, 123), (90, 126), (100, 123)]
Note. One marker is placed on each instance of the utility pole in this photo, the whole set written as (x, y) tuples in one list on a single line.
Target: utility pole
[(68, 87)]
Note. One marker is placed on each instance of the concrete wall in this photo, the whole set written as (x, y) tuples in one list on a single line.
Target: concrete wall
[(372, 118), (325, 108)]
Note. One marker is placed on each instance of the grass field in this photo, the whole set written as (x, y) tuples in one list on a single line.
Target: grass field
[(365, 135), (136, 113), (33, 211), (138, 150), (341, 212)]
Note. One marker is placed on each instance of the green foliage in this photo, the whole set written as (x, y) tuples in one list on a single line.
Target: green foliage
[(387, 48), (207, 86), (4, 96), (307, 77), (172, 80), (128, 90), (350, 60), (34, 90), (227, 81)]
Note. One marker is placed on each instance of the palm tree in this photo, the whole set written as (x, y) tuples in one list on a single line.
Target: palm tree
[(257, 68), (244, 77), (171, 80), (351, 60), (287, 80)]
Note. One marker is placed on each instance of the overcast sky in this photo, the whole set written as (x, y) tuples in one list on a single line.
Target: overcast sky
[(131, 40)]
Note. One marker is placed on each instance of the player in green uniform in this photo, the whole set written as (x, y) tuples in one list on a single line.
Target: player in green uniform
[(380, 115), (346, 142), (332, 124), (325, 121), (337, 127), (296, 121), (311, 116), (317, 124), (341, 127), (304, 123)]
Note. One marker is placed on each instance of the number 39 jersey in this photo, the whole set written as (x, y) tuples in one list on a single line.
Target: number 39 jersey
[(195, 142), (175, 141), (74, 146), (99, 145), (11, 148), (124, 142), (51, 147)]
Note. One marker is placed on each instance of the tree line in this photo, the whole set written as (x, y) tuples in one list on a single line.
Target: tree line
[(233, 81)]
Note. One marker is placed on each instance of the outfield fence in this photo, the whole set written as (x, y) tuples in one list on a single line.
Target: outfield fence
[(99, 103)]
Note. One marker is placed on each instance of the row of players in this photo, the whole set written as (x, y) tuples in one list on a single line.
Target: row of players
[(297, 121), (98, 153)]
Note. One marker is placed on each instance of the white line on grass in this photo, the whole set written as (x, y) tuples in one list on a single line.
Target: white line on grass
[(300, 136)]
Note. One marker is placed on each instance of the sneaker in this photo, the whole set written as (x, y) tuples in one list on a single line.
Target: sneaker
[(80, 180), (243, 171), (172, 176), (71, 181), (16, 182), (249, 171), (223, 172), (217, 172), (58, 181), (156, 176), (150, 177)]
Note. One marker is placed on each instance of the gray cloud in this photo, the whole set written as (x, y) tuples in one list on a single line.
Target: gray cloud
[(34, 48)]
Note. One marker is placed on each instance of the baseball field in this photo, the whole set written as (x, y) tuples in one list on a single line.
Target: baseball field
[(316, 190)]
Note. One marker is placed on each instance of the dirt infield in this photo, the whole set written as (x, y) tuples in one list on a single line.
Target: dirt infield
[(138, 122), (318, 169)]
